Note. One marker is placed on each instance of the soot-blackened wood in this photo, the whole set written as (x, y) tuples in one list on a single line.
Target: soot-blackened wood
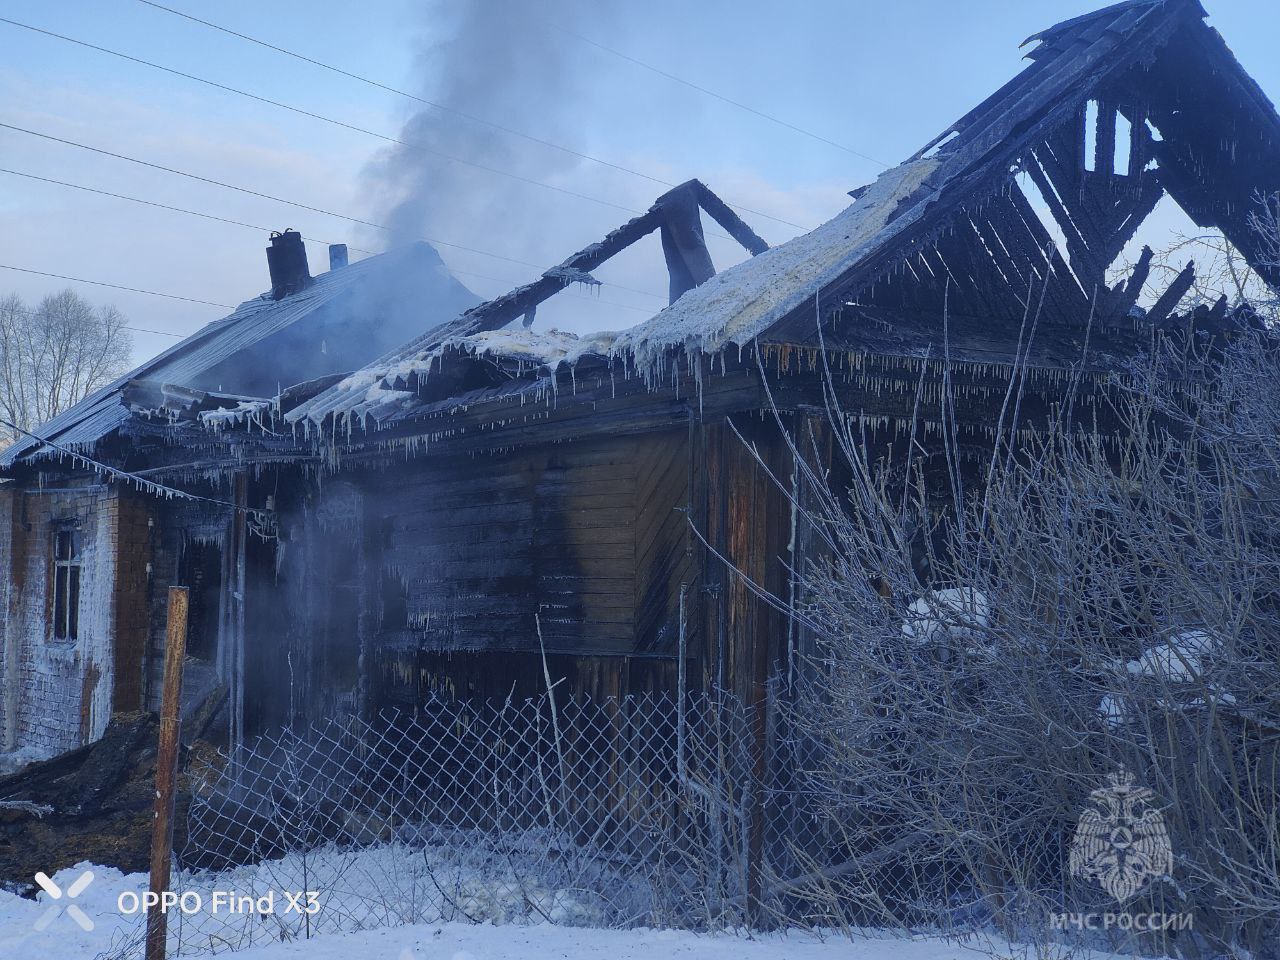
[(678, 206), (129, 601), (816, 445), (683, 245), (231, 607), (757, 538), (1168, 301), (1046, 98), (500, 311), (1127, 297), (662, 555), (584, 555), (481, 544), (734, 225), (1220, 145), (1042, 170), (745, 533), (1065, 281), (710, 481)]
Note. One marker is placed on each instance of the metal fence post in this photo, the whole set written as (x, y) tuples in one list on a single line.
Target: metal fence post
[(758, 718)]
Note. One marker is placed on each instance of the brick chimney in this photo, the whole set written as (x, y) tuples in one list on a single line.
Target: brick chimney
[(287, 262)]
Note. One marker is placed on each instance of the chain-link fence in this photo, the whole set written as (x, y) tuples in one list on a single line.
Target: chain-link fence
[(616, 813)]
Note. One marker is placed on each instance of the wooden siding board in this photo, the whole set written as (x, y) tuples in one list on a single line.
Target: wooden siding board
[(481, 544), (662, 540)]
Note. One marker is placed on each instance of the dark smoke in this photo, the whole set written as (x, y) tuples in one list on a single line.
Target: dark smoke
[(503, 61)]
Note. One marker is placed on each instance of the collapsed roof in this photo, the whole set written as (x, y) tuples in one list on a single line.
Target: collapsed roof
[(951, 231), (1018, 210), (676, 215)]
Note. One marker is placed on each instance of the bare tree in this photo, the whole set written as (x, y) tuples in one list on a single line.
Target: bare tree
[(55, 355), (1096, 603)]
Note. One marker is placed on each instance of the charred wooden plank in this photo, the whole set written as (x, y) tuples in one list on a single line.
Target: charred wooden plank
[(683, 245), (1168, 301), (723, 214)]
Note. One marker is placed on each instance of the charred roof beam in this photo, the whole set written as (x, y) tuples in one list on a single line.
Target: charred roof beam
[(675, 214)]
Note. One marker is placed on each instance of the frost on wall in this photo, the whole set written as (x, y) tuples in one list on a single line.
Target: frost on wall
[(8, 690), (57, 691)]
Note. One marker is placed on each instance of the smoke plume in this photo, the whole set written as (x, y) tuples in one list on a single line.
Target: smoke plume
[(504, 62)]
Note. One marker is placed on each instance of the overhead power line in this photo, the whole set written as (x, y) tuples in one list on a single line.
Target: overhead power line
[(114, 286), (196, 176), (382, 136), (162, 333), (318, 116), (466, 273), (412, 145), (435, 105), (561, 28), (171, 296), (159, 333), (258, 227), (260, 513), (154, 203)]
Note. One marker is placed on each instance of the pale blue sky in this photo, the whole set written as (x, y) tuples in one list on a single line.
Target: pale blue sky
[(879, 77)]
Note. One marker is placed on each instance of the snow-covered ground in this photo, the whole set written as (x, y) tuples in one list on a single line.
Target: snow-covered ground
[(486, 942), (64, 939)]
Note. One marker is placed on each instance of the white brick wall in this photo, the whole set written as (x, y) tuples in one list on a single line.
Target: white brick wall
[(57, 694)]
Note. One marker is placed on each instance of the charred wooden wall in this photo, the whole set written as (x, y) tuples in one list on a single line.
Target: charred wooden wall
[(441, 573), (747, 521), (664, 546)]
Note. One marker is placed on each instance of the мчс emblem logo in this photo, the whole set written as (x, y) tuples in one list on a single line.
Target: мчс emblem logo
[(1121, 840)]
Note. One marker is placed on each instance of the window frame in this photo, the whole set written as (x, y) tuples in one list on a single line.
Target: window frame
[(67, 582)]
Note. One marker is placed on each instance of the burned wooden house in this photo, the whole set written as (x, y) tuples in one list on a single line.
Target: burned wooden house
[(84, 554), (489, 497)]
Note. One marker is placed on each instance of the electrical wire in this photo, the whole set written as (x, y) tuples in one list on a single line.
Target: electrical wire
[(258, 513), (256, 227), (718, 96), (318, 116), (266, 196), (159, 333), (447, 109), (208, 180), (115, 286), (165, 333), (32, 315), (161, 206)]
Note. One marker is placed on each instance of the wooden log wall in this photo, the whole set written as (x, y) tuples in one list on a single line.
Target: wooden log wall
[(594, 540), (664, 557), (465, 559), (745, 519)]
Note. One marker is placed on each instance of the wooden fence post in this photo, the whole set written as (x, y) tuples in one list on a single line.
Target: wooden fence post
[(175, 651)]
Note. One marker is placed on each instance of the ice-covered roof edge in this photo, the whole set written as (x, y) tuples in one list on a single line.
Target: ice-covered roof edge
[(91, 419)]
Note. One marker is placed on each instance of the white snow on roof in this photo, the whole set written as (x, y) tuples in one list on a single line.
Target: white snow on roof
[(742, 302), (732, 307), (549, 348), (245, 410)]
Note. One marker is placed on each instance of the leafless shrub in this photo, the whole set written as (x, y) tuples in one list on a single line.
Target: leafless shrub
[(1098, 600)]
